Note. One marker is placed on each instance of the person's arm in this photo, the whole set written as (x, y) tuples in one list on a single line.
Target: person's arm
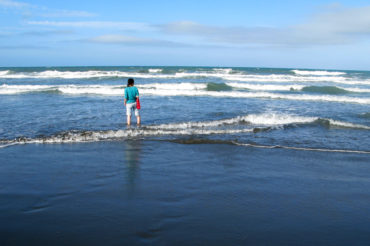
[(126, 96)]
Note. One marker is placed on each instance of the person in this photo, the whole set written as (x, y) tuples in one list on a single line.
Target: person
[(131, 94)]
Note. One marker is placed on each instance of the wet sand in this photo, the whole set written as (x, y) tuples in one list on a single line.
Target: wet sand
[(164, 193)]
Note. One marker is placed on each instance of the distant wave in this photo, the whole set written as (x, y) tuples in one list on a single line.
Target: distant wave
[(155, 70), (3, 73), (244, 124), (218, 87), (156, 73), (223, 70), (176, 89), (332, 90), (318, 72), (109, 89)]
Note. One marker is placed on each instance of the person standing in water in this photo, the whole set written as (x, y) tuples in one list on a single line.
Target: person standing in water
[(131, 94)]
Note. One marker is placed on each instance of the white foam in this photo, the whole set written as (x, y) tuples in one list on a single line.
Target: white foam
[(82, 75), (225, 74), (247, 122), (94, 136), (181, 89), (302, 148), (238, 94), (264, 119), (15, 89), (5, 72), (223, 70), (174, 86), (318, 72), (278, 78), (289, 87), (155, 70), (277, 119), (266, 87), (347, 124)]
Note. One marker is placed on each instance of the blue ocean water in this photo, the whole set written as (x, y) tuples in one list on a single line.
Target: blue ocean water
[(224, 156), (306, 109)]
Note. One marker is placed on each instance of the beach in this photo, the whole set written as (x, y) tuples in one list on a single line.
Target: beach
[(142, 192), (224, 156)]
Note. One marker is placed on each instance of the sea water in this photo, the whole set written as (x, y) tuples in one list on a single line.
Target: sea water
[(224, 156), (323, 110)]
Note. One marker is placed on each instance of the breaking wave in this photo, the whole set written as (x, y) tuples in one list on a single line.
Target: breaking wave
[(220, 73), (218, 87), (252, 123), (332, 90), (318, 73), (183, 89), (155, 70)]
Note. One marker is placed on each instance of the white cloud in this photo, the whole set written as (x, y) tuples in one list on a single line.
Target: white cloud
[(96, 24), (116, 39), (337, 25), (67, 13), (30, 9), (227, 35), (13, 4), (130, 40)]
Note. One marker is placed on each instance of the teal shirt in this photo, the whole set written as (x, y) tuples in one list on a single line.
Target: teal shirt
[(131, 93)]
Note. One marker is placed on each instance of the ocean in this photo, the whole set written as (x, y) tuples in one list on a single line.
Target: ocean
[(224, 155)]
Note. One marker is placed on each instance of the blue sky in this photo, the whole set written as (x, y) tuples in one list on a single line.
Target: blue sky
[(292, 34)]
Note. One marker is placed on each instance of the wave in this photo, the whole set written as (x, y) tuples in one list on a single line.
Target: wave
[(223, 70), (155, 70), (102, 89), (95, 136), (252, 123), (267, 95), (225, 74), (264, 119), (218, 87), (266, 87), (302, 148), (365, 115), (179, 89), (84, 74), (333, 90), (5, 72), (318, 72), (296, 87)]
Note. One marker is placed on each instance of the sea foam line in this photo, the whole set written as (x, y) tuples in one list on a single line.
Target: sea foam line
[(117, 89), (268, 95), (318, 72), (250, 123), (111, 90), (302, 148), (187, 89), (264, 119), (226, 74)]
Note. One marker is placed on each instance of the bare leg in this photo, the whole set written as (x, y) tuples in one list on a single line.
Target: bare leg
[(138, 119), (128, 120)]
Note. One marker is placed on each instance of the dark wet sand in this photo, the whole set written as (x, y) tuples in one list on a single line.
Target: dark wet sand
[(163, 193)]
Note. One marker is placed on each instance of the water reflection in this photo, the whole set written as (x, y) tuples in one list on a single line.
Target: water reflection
[(132, 161)]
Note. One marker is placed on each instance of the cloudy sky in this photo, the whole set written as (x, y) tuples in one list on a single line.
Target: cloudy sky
[(292, 34)]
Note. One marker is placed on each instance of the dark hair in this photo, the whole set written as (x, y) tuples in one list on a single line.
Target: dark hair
[(130, 82)]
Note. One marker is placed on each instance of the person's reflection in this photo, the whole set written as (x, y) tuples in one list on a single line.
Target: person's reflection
[(132, 161)]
